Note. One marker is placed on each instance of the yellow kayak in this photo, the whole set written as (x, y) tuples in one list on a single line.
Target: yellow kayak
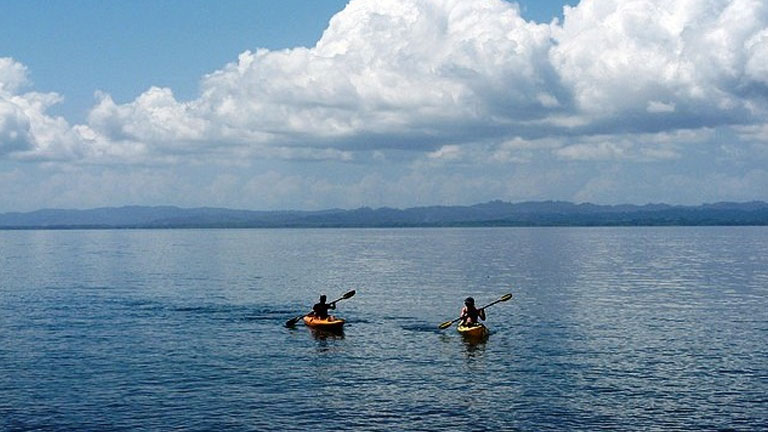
[(331, 323), (473, 330)]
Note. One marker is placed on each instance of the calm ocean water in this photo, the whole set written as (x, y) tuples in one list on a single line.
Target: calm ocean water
[(609, 328)]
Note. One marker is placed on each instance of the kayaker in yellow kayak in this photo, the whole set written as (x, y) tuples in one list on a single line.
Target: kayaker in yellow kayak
[(319, 314), (470, 315), (320, 310)]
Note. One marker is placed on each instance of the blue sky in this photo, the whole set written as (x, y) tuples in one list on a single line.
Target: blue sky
[(317, 104), (124, 47)]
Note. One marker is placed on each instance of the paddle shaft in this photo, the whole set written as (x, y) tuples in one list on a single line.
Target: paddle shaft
[(336, 301), (493, 303)]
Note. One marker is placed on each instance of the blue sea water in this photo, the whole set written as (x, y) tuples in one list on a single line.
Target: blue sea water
[(608, 328)]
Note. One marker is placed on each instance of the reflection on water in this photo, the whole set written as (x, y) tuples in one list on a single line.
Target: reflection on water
[(474, 347), (323, 335), (609, 329)]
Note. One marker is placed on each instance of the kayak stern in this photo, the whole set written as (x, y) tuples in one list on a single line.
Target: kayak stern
[(473, 331), (329, 324)]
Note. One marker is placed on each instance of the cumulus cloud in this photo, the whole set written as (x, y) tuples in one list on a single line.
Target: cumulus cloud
[(685, 63), (27, 131), (757, 58), (15, 126), (13, 76), (424, 74), (155, 116), (389, 74), (434, 76)]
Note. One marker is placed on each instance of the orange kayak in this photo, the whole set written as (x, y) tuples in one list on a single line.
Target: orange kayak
[(331, 323)]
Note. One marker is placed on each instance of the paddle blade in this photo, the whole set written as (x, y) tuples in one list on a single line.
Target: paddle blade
[(348, 295), (505, 297), (292, 322), (445, 325)]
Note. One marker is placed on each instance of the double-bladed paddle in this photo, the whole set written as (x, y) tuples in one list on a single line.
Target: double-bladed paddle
[(503, 298), (291, 322)]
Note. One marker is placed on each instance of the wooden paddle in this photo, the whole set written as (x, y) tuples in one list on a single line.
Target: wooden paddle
[(291, 322), (503, 298)]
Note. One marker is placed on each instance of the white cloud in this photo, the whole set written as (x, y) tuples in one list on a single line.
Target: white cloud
[(754, 133), (624, 56), (416, 73), (15, 125), (26, 130), (14, 128), (13, 76), (519, 150), (757, 58), (596, 149), (410, 69), (445, 83), (646, 147), (660, 107), (154, 117), (448, 152)]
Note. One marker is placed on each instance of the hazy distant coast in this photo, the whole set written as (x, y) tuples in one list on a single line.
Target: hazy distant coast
[(494, 213)]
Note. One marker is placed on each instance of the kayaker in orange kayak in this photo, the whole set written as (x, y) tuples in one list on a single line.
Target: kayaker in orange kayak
[(320, 310), (470, 314)]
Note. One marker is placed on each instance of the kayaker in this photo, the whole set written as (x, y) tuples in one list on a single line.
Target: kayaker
[(320, 310), (470, 315)]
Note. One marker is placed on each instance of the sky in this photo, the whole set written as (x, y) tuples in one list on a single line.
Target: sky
[(340, 104)]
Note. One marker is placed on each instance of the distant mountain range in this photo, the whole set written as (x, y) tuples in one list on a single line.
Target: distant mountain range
[(494, 213)]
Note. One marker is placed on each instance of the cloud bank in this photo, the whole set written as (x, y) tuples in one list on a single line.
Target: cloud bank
[(467, 85), (420, 74)]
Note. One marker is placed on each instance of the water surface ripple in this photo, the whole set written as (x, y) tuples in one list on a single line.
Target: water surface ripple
[(609, 328)]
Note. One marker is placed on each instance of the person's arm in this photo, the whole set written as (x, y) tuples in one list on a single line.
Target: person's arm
[(332, 306), (481, 314)]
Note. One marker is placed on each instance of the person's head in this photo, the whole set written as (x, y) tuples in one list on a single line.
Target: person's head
[(322, 298), (469, 301)]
